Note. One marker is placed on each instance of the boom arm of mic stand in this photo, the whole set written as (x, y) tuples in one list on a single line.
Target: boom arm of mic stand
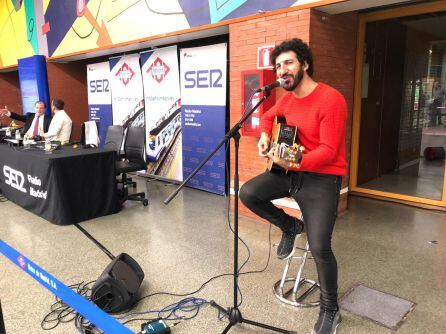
[(227, 137)]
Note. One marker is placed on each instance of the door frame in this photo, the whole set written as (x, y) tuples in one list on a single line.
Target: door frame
[(409, 10)]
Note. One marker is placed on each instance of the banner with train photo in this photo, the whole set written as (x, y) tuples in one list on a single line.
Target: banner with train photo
[(127, 91), (161, 81), (203, 97)]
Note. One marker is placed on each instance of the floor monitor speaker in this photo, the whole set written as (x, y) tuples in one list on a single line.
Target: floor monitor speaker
[(116, 289)]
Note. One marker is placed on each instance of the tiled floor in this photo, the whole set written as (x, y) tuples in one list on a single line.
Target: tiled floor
[(382, 245)]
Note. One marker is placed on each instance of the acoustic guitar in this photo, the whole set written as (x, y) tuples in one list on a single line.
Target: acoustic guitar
[(284, 136)]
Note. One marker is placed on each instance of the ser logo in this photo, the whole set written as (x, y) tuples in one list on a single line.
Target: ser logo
[(203, 78), (14, 178), (99, 86)]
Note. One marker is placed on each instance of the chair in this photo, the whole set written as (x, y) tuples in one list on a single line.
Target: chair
[(113, 141), (135, 160), (114, 138)]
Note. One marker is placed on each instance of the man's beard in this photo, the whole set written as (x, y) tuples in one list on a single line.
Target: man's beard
[(296, 80)]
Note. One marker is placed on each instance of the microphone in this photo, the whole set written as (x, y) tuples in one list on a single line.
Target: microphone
[(278, 83)]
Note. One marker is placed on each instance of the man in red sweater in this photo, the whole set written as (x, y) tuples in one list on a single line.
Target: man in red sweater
[(319, 112)]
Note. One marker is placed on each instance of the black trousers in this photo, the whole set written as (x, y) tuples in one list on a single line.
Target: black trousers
[(317, 196)]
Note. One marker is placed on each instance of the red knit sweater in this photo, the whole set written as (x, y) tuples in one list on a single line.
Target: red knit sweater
[(320, 118)]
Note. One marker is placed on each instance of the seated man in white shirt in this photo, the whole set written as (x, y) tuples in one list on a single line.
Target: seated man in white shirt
[(60, 126)]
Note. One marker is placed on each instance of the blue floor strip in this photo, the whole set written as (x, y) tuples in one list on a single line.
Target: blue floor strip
[(87, 309)]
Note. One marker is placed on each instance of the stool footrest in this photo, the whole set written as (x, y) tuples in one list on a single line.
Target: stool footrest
[(297, 298), (301, 288)]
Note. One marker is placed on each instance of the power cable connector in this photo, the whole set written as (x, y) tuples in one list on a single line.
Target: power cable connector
[(157, 326)]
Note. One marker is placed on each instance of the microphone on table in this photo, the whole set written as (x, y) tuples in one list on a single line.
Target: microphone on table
[(278, 83)]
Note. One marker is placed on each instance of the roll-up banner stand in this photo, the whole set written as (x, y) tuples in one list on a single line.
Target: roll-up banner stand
[(203, 96), (99, 97), (127, 91), (161, 79)]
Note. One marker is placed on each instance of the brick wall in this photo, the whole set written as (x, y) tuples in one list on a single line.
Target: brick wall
[(10, 93), (333, 43), (333, 40), (69, 82)]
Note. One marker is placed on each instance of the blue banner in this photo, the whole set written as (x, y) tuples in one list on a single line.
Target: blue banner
[(200, 137), (99, 97), (203, 97), (102, 115), (87, 309)]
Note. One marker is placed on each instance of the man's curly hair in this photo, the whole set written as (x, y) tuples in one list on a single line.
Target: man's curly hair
[(299, 47)]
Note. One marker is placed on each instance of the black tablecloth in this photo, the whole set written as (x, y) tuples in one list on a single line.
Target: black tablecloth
[(65, 186)]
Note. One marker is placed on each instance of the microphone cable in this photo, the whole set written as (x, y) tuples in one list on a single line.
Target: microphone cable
[(60, 312), (224, 274), (243, 242)]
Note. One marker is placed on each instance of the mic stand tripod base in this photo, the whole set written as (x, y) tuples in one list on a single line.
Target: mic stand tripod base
[(235, 317)]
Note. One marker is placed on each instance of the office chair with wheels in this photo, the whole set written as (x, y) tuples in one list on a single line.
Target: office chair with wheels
[(113, 141), (114, 138), (135, 160)]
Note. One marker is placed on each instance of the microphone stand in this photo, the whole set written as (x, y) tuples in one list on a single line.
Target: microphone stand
[(233, 313), (97, 243)]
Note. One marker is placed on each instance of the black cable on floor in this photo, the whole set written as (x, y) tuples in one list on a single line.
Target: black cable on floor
[(60, 312), (225, 274), (97, 243), (185, 309), (63, 313)]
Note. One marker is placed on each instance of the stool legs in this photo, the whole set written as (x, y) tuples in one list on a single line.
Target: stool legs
[(292, 296)]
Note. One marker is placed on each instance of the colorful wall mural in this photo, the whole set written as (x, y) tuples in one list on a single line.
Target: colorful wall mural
[(18, 31), (57, 28)]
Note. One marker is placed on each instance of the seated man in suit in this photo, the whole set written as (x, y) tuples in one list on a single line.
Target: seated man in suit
[(35, 124), (60, 127)]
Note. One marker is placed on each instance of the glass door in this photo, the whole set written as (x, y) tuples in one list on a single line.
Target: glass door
[(400, 109)]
